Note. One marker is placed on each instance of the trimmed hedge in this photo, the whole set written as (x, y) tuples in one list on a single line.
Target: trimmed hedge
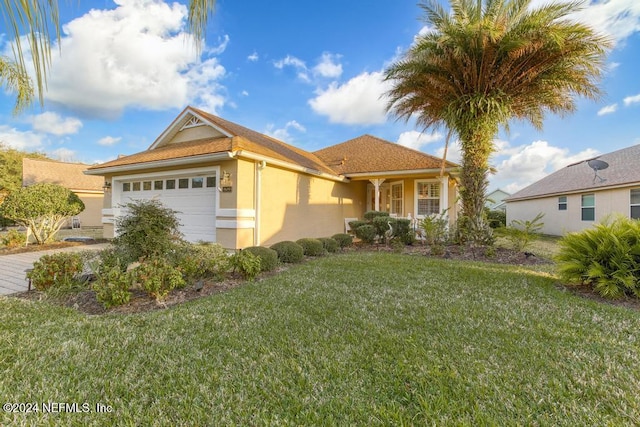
[(311, 246), (330, 244), (366, 233), (371, 215), (288, 251), (268, 257), (344, 240)]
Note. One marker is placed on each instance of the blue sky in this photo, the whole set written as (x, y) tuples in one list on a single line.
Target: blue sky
[(308, 73)]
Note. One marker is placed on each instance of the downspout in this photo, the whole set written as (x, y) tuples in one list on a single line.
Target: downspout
[(257, 203)]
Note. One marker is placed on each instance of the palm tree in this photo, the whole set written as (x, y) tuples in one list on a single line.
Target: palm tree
[(40, 20), (485, 63)]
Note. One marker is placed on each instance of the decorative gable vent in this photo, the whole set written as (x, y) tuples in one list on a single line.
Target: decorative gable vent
[(192, 123)]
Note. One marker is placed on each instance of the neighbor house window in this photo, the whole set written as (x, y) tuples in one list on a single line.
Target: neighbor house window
[(197, 182), (588, 207), (157, 185), (171, 184), (146, 185), (183, 183), (126, 186), (562, 203), (397, 198), (136, 186), (427, 198), (211, 181), (635, 203)]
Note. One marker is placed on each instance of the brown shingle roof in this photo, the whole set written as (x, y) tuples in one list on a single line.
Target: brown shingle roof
[(68, 175), (624, 169), (370, 154)]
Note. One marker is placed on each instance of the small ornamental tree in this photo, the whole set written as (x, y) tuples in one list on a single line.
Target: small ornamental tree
[(42, 208)]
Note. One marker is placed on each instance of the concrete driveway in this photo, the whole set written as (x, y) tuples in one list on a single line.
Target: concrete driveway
[(12, 267)]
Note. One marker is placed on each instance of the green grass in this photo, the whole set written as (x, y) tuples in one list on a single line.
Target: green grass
[(358, 339)]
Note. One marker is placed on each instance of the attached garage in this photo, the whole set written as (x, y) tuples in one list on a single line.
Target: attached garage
[(193, 194)]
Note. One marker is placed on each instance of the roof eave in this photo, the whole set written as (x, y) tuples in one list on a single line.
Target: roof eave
[(182, 161), (450, 171), (576, 191), (287, 165)]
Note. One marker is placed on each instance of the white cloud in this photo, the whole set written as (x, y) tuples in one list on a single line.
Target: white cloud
[(253, 57), (283, 133), (136, 55), (244, 93), (64, 154), (328, 66), (54, 124), (296, 63), (631, 100), (359, 101), (525, 164), (109, 140), (416, 140), (21, 140), (609, 109)]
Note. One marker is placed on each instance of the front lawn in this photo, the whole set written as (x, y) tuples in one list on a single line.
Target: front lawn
[(356, 339)]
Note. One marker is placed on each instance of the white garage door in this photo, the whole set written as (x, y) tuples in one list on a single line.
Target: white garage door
[(192, 196)]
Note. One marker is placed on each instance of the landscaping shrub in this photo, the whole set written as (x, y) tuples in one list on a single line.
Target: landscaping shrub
[(356, 224), (606, 256), (268, 257), (198, 261), (435, 229), (496, 219), (330, 244), (366, 233), (521, 233), (371, 215), (56, 270), (112, 286), (288, 251), (382, 224), (311, 246), (158, 277), (246, 263), (344, 240), (148, 229), (13, 239), (404, 232)]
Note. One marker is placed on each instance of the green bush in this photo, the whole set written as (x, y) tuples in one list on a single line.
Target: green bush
[(158, 277), (371, 215), (496, 219), (435, 229), (289, 252), (344, 240), (13, 239), (330, 244), (356, 224), (521, 233), (246, 263), (268, 257), (366, 233), (606, 256), (385, 227), (311, 246), (112, 286), (404, 232), (148, 230), (56, 270), (199, 261)]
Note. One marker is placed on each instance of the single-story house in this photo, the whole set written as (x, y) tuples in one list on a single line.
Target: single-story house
[(495, 200), (70, 175), (239, 188), (575, 197)]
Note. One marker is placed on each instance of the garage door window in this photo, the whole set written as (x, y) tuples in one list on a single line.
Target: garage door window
[(157, 185), (126, 186), (183, 183), (146, 185), (171, 184), (136, 186), (211, 181), (197, 182)]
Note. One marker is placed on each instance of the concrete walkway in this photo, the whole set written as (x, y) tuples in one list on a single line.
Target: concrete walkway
[(12, 267)]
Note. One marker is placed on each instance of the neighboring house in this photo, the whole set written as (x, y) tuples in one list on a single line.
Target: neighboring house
[(495, 200), (240, 188), (583, 193), (70, 175)]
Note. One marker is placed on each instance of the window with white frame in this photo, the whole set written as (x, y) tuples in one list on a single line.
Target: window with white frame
[(635, 203), (588, 207), (562, 203), (397, 198), (427, 198)]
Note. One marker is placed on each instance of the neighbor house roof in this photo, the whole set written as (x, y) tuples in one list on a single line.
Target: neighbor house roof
[(623, 170), (365, 154), (69, 175), (369, 154)]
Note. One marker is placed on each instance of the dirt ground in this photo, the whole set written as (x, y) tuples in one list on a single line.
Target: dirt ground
[(86, 302)]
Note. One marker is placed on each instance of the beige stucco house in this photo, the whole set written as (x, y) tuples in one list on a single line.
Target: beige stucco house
[(581, 194), (70, 175), (239, 188)]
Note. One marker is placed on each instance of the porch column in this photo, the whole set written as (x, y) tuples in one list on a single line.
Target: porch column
[(376, 183), (444, 193)]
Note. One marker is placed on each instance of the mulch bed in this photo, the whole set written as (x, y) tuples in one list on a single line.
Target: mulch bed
[(86, 302)]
